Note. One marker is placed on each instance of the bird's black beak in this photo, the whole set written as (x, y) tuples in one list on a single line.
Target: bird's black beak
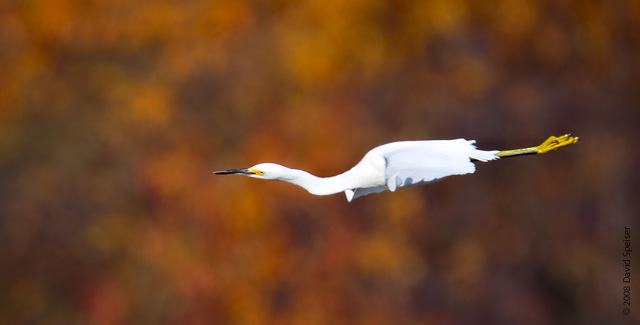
[(243, 171)]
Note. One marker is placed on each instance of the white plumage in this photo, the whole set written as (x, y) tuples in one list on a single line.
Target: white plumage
[(387, 167), (398, 164)]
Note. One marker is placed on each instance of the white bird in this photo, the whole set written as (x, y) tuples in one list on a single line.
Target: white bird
[(397, 164)]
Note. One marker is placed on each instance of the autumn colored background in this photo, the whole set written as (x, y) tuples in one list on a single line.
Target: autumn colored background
[(113, 114)]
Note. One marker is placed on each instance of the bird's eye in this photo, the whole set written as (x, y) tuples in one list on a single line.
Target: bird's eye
[(260, 173)]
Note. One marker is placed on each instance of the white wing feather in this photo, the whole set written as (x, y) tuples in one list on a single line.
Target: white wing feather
[(362, 191), (422, 162), (408, 163)]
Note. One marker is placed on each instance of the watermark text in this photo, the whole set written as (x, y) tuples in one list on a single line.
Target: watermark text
[(626, 277)]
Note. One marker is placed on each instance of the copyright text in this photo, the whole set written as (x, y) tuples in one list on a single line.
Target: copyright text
[(626, 277)]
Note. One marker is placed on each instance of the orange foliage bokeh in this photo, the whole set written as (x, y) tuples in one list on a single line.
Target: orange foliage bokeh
[(113, 115)]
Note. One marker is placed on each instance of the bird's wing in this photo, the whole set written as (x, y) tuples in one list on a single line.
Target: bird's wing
[(428, 161), (358, 192)]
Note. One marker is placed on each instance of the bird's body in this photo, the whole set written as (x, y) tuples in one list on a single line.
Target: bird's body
[(396, 164)]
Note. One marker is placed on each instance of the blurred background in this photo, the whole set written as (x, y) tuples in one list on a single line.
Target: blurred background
[(113, 114)]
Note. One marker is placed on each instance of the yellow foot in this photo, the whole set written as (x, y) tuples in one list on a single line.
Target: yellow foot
[(554, 143)]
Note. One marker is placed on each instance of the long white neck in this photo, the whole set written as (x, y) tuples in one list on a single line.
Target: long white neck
[(321, 185)]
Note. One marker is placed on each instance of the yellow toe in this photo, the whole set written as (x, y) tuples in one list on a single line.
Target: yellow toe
[(554, 143)]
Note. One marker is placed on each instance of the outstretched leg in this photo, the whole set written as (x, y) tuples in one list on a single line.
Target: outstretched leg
[(550, 144)]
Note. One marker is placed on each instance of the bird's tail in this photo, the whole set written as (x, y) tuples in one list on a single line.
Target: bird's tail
[(481, 155)]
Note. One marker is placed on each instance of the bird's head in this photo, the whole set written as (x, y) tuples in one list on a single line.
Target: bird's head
[(264, 171)]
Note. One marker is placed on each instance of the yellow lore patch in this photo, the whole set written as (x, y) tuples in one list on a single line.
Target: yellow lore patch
[(257, 172)]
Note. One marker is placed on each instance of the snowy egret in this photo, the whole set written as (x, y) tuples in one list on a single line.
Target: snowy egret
[(397, 164)]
